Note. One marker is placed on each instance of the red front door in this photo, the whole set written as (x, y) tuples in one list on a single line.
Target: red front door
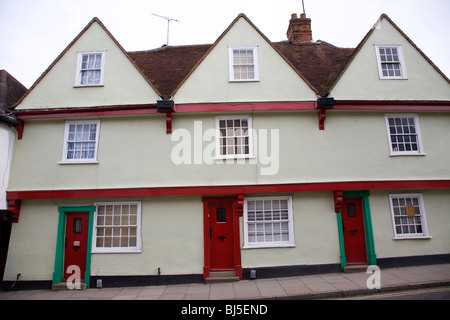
[(353, 227), (221, 236), (76, 245)]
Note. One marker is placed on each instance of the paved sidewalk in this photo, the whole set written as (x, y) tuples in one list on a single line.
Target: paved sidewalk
[(321, 286)]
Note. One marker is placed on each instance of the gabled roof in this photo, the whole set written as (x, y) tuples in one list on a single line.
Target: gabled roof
[(319, 62), (11, 90), (363, 42), (167, 66), (94, 20)]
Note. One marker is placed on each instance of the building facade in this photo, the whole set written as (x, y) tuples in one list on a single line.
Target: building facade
[(175, 164), (10, 92)]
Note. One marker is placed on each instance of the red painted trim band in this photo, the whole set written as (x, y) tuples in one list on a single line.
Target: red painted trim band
[(392, 105), (391, 108), (86, 112), (246, 106), (227, 190), (151, 109), (233, 107)]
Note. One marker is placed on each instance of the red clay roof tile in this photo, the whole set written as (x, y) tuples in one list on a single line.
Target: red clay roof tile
[(319, 62), (167, 67)]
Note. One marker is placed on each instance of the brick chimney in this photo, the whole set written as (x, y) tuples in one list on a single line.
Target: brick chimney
[(299, 29)]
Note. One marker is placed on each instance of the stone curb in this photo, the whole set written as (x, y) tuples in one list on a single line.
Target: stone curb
[(359, 292)]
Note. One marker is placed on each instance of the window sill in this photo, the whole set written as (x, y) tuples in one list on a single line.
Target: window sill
[(88, 85), (267, 245), (116, 251), (393, 78), (234, 157), (397, 154), (412, 238), (244, 80), (79, 162)]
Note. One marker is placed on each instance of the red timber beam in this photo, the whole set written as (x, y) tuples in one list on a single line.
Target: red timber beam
[(227, 190)]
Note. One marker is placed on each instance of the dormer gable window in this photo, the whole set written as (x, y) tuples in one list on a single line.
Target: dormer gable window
[(243, 63), (391, 64), (90, 68)]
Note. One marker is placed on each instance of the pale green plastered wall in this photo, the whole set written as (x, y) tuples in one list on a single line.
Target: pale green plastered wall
[(172, 239), (315, 231), (436, 203), (210, 81), (124, 85), (32, 244), (172, 235), (361, 80), (136, 152)]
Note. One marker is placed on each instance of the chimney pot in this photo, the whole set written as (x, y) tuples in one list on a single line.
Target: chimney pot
[(299, 29)]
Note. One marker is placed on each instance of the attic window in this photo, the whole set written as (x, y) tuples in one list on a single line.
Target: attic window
[(243, 63), (90, 68), (391, 64)]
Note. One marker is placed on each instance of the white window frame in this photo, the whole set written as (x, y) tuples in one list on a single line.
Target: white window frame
[(423, 221), (255, 63), (401, 62), (250, 154), (65, 160), (136, 249), (273, 244), (79, 68), (418, 134)]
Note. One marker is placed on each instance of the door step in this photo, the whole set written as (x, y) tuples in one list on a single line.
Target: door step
[(356, 268), (222, 276), (62, 286)]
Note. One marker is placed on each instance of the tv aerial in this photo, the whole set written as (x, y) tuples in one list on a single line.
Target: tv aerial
[(168, 24)]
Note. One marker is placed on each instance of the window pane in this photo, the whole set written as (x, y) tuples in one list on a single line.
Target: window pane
[(90, 71), (407, 215), (267, 221), (234, 137), (221, 215), (243, 64), (116, 226), (81, 141), (403, 134), (98, 61), (390, 62)]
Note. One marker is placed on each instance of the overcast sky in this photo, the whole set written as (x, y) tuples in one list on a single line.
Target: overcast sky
[(34, 32)]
